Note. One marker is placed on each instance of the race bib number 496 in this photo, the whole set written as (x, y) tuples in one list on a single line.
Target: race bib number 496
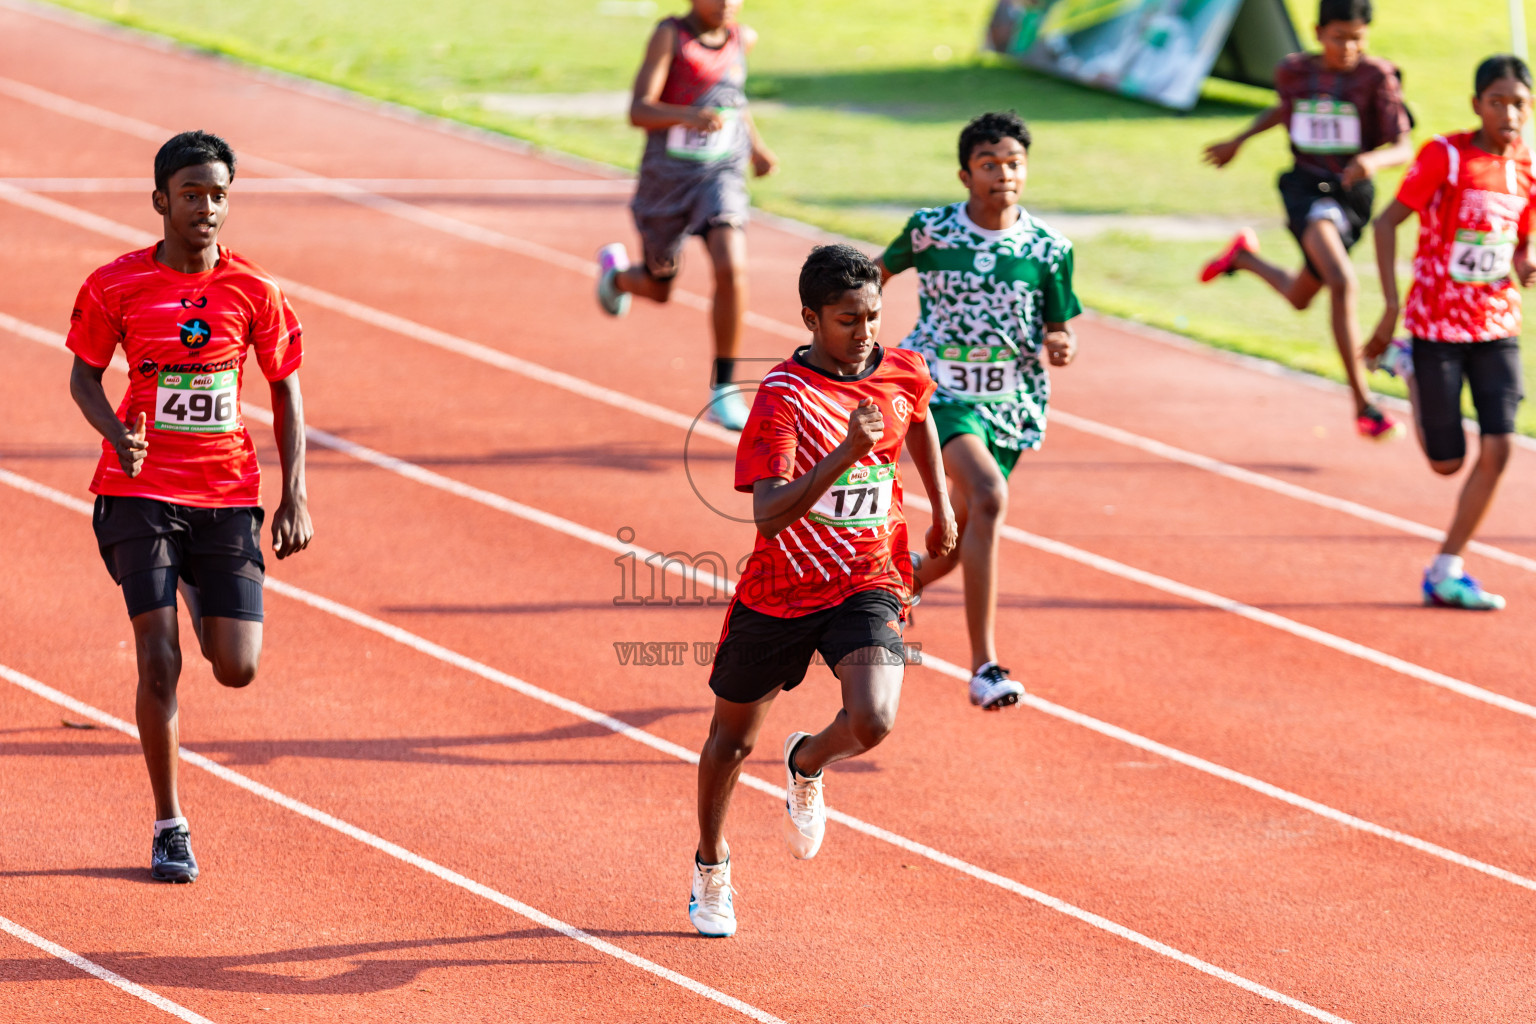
[(1482, 257), (861, 497), (202, 403), (1325, 126), (977, 373)]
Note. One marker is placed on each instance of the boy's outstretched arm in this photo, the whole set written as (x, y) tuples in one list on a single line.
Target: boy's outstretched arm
[(777, 502), (646, 109), (291, 528), (1221, 153), (923, 443), (1386, 267)]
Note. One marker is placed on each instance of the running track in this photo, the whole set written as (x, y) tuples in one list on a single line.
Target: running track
[(1255, 782)]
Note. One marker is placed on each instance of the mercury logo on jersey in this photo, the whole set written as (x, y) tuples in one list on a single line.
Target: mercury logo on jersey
[(195, 333)]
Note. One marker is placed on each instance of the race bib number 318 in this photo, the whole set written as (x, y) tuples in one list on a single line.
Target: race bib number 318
[(977, 373), (201, 403), (861, 497)]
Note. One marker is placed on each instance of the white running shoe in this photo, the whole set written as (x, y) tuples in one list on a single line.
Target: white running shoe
[(611, 260), (710, 905), (727, 407), (992, 690), (806, 821)]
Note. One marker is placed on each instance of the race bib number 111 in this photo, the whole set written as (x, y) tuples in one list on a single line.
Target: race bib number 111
[(1325, 126), (201, 403)]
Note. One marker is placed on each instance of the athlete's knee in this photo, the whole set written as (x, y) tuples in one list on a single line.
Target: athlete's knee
[(1493, 452), (235, 672), (159, 665), (872, 725), (989, 499), (726, 747), (1446, 467)]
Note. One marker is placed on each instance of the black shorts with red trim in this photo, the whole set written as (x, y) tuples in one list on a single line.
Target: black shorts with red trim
[(759, 653)]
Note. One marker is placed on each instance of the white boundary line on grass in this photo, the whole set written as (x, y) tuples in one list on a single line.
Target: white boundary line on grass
[(112, 978), (367, 838), (718, 584), (451, 657)]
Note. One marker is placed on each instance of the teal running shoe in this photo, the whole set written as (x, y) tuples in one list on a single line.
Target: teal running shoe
[(726, 406), (611, 260), (1460, 592)]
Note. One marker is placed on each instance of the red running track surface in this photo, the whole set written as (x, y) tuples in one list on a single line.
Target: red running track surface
[(294, 920)]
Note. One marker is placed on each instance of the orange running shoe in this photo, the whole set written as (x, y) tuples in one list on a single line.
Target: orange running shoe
[(1246, 241), (1375, 425)]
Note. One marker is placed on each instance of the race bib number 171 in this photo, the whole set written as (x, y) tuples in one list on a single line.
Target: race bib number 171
[(861, 497), (201, 403)]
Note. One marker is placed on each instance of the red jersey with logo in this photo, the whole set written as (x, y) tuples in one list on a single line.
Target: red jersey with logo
[(185, 338), (855, 538), (1474, 213)]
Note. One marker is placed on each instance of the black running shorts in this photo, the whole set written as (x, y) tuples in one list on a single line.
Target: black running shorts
[(1491, 370), (759, 653), (147, 544), (1301, 191)]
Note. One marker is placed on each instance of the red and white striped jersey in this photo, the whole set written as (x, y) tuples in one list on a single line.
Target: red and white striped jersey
[(855, 538)]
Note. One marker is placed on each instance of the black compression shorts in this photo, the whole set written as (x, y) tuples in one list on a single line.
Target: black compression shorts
[(147, 545), (1491, 370)]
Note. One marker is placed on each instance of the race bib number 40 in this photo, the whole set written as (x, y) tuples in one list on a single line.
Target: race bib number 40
[(201, 403), (1482, 257), (685, 143), (1325, 126), (861, 497), (977, 373)]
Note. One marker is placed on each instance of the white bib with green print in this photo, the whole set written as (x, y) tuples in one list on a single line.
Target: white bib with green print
[(199, 403), (1325, 126), (977, 373), (1482, 257), (860, 498), (687, 143)]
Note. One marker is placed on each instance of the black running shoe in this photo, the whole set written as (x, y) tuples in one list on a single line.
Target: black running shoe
[(171, 859)]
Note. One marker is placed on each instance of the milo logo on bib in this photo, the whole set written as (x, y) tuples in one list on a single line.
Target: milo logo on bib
[(200, 403)]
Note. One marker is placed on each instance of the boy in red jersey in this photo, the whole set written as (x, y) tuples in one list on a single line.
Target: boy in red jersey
[(820, 455), (178, 486), (690, 98), (1472, 192), (1347, 121)]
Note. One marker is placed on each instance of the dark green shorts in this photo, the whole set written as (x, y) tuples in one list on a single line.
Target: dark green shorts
[(953, 420)]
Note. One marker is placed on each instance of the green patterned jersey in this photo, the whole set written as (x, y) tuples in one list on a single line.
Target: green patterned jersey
[(986, 297)]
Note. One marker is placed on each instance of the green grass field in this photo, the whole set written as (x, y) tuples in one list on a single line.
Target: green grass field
[(862, 100)]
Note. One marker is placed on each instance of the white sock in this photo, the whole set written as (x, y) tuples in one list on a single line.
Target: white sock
[(161, 826), (1446, 567)]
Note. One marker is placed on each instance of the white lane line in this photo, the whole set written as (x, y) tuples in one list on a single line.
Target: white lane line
[(1277, 486), (722, 585), (112, 978), (451, 657), (384, 846), (20, 196), (357, 191), (395, 186), (388, 322)]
